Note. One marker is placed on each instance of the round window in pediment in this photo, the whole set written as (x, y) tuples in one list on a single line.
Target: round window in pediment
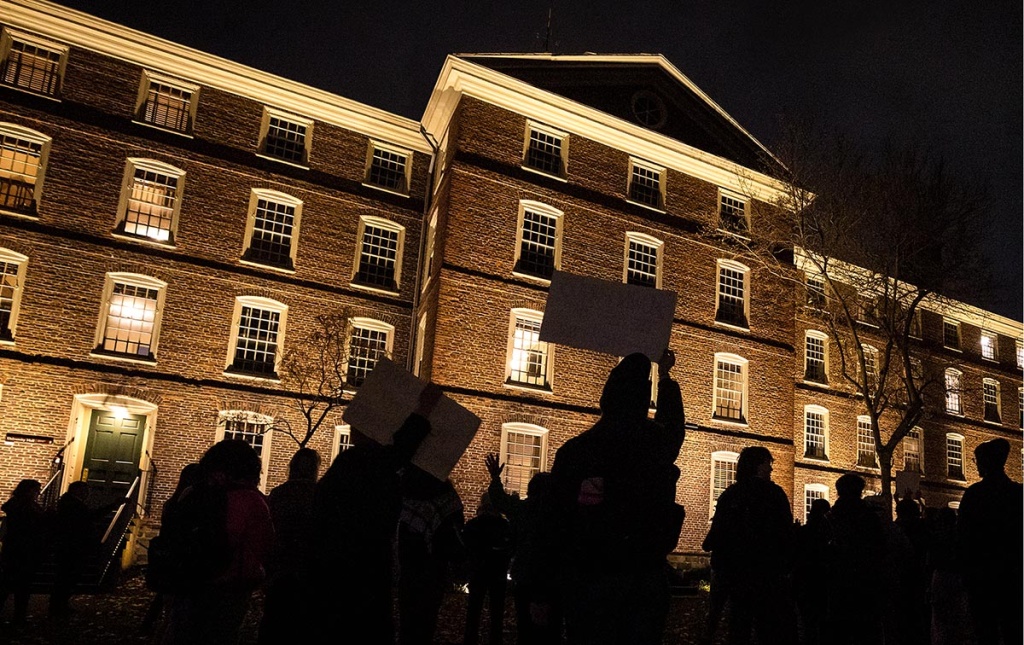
[(648, 109)]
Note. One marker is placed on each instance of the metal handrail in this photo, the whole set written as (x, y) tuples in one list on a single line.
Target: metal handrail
[(120, 510)]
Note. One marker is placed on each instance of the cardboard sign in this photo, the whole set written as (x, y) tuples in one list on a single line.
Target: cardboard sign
[(908, 481), (608, 317), (389, 395)]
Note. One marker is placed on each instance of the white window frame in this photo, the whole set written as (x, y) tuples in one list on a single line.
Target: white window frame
[(659, 174), (392, 149), (133, 280), (148, 79), (825, 432), (387, 225), (814, 288), (987, 383), (544, 210), (870, 365), (954, 384), (1020, 407), (959, 336), (264, 304), (731, 265), (954, 438), (718, 459), (918, 452), (429, 249), (342, 437), (724, 194), (35, 139), (366, 324), (528, 429), (20, 261), (279, 199), (917, 325), (307, 142), (658, 246), (132, 165), (548, 349), (421, 339), (811, 493), (1020, 352), (545, 130), (813, 334), (7, 39), (743, 364), (989, 345), (866, 439), (248, 416)]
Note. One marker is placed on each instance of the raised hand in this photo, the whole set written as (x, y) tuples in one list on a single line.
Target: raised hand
[(666, 362), (493, 466)]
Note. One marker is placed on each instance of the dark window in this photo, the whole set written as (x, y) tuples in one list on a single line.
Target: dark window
[(366, 346), (544, 153), (271, 241), (387, 170), (256, 346), (733, 214), (377, 257), (537, 248), (285, 140), (645, 186)]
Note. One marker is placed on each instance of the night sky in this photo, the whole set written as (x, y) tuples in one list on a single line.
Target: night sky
[(946, 73)]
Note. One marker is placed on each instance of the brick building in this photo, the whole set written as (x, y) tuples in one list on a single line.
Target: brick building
[(169, 219)]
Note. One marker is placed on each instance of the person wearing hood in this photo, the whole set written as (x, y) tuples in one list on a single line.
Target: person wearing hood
[(614, 487)]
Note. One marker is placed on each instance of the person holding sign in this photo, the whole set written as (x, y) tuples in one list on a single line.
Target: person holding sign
[(614, 487)]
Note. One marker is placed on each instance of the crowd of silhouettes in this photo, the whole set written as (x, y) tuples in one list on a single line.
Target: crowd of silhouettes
[(585, 550)]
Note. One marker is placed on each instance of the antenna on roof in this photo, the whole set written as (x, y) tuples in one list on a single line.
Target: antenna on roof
[(547, 35)]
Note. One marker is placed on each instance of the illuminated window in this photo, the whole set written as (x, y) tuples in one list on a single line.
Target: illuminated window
[(379, 253), (815, 432), (257, 337), (815, 290), (816, 357), (23, 154), (723, 474), (955, 456), (524, 453), (866, 456), (1020, 353), (272, 229), (950, 334), (545, 150), (954, 391), (989, 346), (643, 260), (993, 407), (388, 168), (912, 450), (12, 277), (130, 320), (528, 359), (167, 103), (732, 294), (916, 329), (811, 493), (369, 341), (342, 440), (730, 388), (252, 428), (732, 214), (539, 240), (646, 184), (285, 137), (31, 64), (150, 200), (870, 366)]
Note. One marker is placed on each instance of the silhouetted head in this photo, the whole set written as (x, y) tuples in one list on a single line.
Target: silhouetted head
[(27, 489), (79, 490), (539, 485), (407, 438), (819, 508), (188, 476), (233, 460), (304, 465), (754, 461), (907, 509), (990, 457), (850, 485), (627, 392)]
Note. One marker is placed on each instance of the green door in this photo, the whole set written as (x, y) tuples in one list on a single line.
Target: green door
[(112, 453)]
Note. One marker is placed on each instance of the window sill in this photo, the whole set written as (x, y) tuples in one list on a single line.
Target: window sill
[(656, 209), (992, 422), (523, 387), (719, 323), (545, 174), (148, 241), (34, 216), (953, 349), (269, 378), (126, 358), (730, 422), (823, 460), (384, 189), (293, 164), (743, 236), (533, 278), (816, 384), (55, 99), (366, 287), (269, 267), (187, 135), (9, 342)]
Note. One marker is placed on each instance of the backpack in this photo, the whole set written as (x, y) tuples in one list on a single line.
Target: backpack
[(192, 547)]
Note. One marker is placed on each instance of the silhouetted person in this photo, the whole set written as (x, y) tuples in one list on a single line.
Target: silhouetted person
[(355, 513), (538, 607), (900, 603), (288, 580), (188, 476), (23, 545), (488, 538), (912, 605), (949, 616), (75, 542), (856, 577), (227, 505), (990, 538), (751, 545), (615, 492), (810, 572), (429, 542)]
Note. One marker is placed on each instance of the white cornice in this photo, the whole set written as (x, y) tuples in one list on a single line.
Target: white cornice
[(82, 30), (459, 76)]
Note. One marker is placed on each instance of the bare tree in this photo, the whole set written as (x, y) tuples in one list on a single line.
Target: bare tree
[(873, 242)]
